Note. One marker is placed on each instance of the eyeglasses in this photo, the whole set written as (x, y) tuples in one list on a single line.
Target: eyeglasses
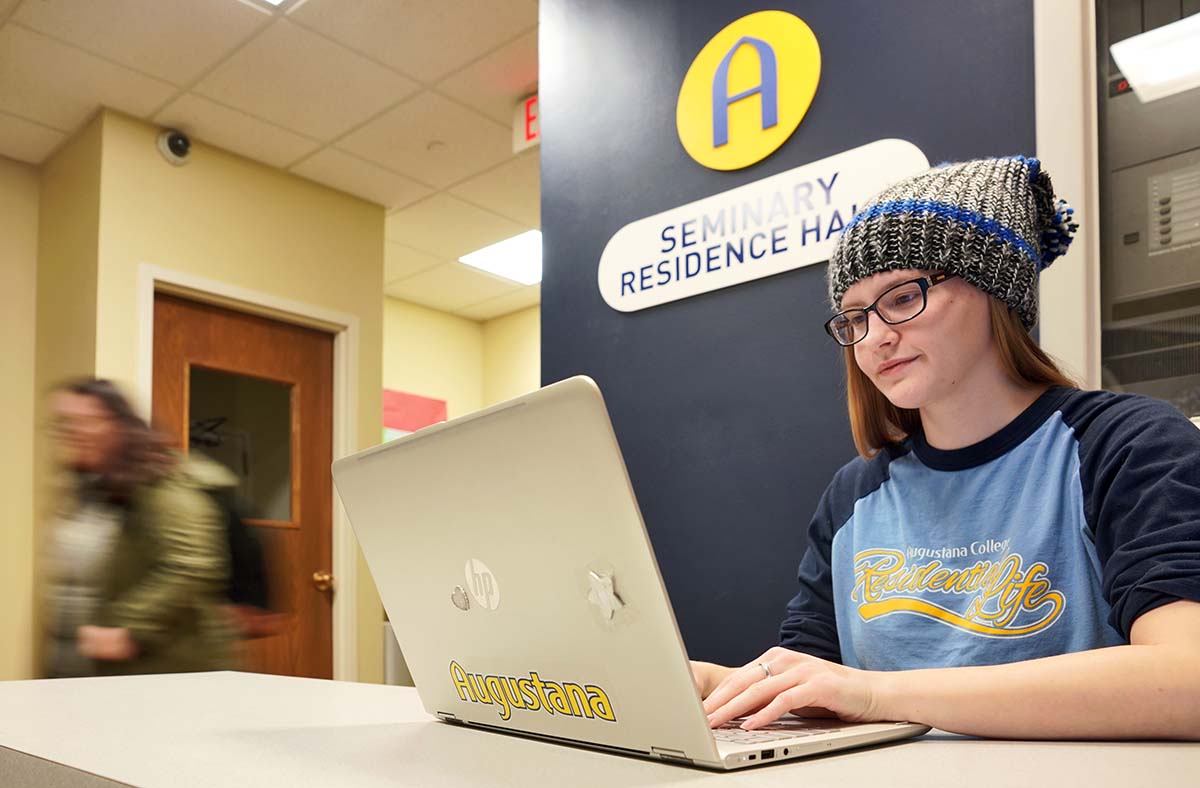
[(896, 305)]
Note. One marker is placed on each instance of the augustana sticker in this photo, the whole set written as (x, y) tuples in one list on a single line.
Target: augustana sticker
[(532, 693)]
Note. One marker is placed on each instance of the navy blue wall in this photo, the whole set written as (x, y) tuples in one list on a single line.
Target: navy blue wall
[(730, 406)]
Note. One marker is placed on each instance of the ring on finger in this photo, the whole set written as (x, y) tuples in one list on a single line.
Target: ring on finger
[(766, 669)]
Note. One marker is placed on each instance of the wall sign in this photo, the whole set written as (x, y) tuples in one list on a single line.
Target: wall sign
[(404, 413), (527, 125), (748, 90), (781, 222)]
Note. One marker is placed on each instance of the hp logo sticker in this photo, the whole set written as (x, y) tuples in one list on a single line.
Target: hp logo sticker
[(482, 584)]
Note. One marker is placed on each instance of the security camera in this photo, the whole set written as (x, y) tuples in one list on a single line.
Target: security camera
[(174, 146)]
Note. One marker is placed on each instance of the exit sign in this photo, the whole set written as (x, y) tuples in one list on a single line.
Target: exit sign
[(527, 128)]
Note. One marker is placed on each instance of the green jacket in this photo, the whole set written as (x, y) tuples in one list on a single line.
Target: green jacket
[(168, 574)]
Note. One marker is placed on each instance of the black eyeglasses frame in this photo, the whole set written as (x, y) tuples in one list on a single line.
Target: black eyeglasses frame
[(925, 282)]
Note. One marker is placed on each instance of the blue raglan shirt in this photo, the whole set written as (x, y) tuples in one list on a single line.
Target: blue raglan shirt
[(1051, 536)]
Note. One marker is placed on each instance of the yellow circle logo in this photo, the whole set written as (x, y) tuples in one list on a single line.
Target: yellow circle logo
[(748, 90)]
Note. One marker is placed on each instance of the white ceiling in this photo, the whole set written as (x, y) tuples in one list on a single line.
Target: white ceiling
[(407, 103)]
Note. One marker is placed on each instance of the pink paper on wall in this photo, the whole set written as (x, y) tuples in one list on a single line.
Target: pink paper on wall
[(411, 412)]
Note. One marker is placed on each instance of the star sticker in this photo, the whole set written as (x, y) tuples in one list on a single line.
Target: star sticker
[(602, 594)]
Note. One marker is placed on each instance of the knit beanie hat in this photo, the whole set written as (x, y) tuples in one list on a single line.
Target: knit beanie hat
[(994, 222)]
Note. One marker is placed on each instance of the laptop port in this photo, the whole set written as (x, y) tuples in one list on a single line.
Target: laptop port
[(751, 756), (768, 754)]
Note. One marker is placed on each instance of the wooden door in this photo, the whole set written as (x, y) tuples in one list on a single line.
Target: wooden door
[(257, 395)]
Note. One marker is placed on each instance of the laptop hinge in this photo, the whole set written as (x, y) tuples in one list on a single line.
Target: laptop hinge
[(446, 716), (668, 754)]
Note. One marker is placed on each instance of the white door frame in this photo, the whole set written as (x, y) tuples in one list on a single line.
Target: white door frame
[(1064, 38), (345, 330)]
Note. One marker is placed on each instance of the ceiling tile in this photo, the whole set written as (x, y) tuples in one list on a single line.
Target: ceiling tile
[(439, 36), (450, 286), (299, 80), (400, 261), (25, 141), (448, 227), (362, 179), (60, 86), (512, 189), (497, 82), (400, 140), (503, 305), (173, 40), (235, 131)]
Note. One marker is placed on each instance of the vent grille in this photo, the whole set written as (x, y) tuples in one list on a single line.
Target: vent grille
[(1163, 349)]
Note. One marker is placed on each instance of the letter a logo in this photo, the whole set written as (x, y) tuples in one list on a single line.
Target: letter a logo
[(767, 88), (747, 90)]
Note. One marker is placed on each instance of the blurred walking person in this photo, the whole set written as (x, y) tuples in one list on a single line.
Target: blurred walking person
[(139, 554)]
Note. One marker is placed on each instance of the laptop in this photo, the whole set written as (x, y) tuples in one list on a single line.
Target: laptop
[(512, 560)]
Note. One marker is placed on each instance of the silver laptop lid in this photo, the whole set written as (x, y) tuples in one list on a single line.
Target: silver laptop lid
[(512, 560)]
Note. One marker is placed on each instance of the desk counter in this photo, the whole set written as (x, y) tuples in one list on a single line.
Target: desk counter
[(210, 729)]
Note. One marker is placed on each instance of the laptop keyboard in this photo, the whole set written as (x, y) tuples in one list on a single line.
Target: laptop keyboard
[(780, 729)]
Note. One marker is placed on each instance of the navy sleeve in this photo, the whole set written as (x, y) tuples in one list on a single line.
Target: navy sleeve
[(1140, 474), (810, 625)]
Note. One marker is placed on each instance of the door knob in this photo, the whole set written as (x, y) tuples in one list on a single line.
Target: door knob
[(322, 581)]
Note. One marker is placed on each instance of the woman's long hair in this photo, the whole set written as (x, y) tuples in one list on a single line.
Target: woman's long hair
[(876, 422), (142, 456)]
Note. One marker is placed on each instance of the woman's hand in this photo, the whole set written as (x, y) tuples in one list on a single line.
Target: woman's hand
[(708, 676), (112, 644), (799, 683)]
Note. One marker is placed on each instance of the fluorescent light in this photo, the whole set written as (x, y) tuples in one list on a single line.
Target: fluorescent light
[(1163, 61), (518, 258), (274, 2)]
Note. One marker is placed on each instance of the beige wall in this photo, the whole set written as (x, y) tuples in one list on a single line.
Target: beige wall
[(512, 359), (470, 365), (433, 354), (67, 253), (68, 250), (18, 283)]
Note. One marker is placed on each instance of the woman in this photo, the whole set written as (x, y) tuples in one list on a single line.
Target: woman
[(1010, 556), (140, 554)]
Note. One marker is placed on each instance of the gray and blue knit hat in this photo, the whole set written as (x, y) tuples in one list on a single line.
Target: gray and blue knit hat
[(994, 222)]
